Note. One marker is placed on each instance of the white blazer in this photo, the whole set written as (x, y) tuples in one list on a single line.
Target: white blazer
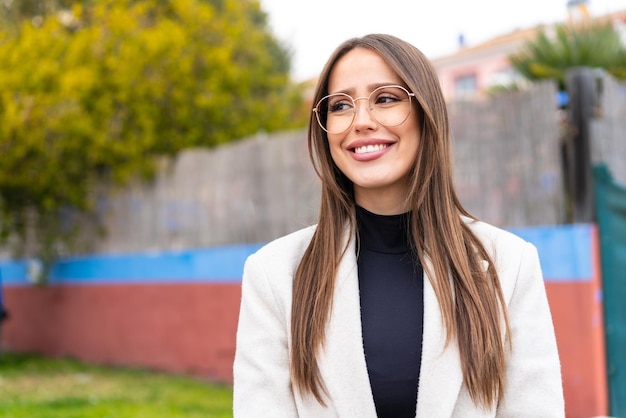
[(262, 386)]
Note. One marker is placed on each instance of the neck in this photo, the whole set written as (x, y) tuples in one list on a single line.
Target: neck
[(387, 202)]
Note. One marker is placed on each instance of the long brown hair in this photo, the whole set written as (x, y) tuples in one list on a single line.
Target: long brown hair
[(470, 296)]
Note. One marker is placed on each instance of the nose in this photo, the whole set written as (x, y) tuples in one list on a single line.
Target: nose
[(363, 117)]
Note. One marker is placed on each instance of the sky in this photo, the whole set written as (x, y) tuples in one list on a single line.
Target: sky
[(311, 29)]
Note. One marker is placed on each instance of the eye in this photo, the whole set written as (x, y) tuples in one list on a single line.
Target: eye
[(339, 104), (386, 97)]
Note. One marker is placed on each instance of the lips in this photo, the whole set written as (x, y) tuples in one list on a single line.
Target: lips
[(371, 149)]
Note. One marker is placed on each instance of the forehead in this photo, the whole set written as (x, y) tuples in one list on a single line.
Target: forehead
[(360, 71)]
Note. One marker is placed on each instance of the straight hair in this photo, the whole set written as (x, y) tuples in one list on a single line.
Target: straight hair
[(469, 293)]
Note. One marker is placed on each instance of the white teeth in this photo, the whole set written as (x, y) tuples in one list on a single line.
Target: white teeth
[(370, 148)]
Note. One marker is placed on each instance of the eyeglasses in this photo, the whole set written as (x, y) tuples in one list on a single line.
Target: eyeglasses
[(388, 105)]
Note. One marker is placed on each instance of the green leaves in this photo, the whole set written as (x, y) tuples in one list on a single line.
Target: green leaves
[(97, 92), (596, 45)]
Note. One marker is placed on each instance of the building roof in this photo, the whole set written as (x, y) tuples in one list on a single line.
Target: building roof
[(511, 41)]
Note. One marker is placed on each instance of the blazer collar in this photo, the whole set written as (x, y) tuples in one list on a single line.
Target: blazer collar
[(441, 376), (342, 360)]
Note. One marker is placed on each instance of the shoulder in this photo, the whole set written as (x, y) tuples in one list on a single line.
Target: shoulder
[(515, 259), (510, 253), (283, 253), (495, 238), (293, 244), (268, 273)]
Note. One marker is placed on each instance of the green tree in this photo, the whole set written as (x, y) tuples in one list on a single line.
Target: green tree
[(13, 12), (95, 93), (593, 44)]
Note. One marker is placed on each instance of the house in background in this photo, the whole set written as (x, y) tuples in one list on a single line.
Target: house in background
[(469, 73)]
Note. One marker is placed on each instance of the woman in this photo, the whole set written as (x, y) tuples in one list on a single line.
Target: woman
[(397, 303)]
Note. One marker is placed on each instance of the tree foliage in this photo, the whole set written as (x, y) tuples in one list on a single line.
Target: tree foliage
[(97, 91), (550, 55)]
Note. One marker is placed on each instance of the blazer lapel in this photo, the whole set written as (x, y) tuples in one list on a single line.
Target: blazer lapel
[(441, 376), (342, 361)]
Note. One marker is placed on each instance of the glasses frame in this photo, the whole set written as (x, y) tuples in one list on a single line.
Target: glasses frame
[(316, 109)]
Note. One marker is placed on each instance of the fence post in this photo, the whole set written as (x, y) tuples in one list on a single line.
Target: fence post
[(581, 88)]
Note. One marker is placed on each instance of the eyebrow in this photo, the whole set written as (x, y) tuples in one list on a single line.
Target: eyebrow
[(371, 87)]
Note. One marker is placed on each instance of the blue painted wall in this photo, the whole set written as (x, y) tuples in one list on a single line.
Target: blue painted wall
[(563, 250)]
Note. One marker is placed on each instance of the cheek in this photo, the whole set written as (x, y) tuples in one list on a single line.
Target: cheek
[(334, 144), (417, 146), (415, 138), (333, 140), (417, 143)]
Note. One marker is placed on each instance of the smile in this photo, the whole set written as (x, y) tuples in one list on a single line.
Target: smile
[(370, 148)]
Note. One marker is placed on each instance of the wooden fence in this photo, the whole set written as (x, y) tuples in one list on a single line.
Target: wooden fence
[(507, 169)]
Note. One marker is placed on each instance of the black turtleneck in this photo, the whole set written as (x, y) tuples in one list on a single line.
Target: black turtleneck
[(392, 307)]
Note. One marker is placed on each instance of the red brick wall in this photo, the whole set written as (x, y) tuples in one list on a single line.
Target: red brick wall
[(186, 328)]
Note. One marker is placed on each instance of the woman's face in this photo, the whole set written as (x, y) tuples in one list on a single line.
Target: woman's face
[(376, 158)]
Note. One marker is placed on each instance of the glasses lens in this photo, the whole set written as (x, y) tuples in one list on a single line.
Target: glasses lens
[(335, 112), (390, 105)]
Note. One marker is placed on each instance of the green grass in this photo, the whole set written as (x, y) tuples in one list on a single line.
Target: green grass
[(36, 387)]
